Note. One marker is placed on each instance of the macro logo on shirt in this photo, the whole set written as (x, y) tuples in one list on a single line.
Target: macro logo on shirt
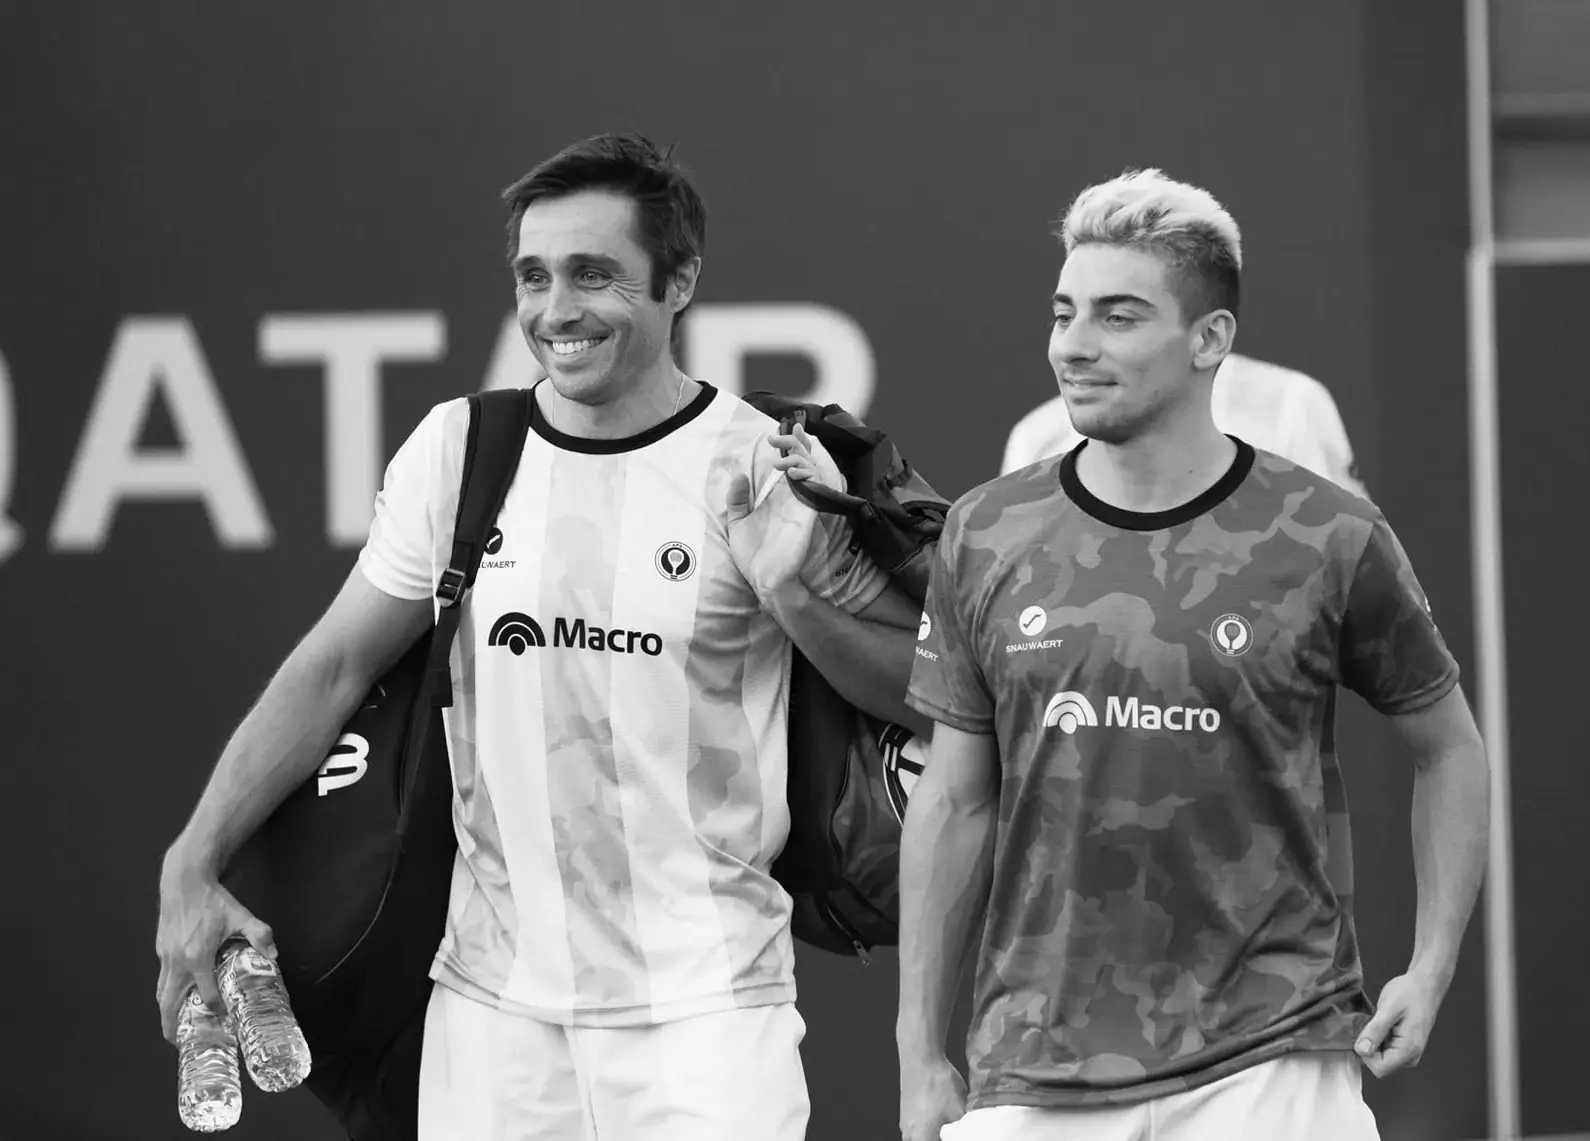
[(520, 632), (1070, 712), (1032, 622), (493, 546)]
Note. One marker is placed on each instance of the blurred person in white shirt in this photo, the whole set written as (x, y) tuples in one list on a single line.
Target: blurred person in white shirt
[(1273, 408)]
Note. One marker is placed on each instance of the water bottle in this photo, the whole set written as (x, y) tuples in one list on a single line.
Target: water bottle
[(273, 1045), (209, 1090)]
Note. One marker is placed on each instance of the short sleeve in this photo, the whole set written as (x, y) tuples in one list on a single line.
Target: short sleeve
[(947, 680), (398, 554), (836, 568), (1391, 652)]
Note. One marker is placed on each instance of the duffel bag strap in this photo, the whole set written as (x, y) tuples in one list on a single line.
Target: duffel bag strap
[(498, 424)]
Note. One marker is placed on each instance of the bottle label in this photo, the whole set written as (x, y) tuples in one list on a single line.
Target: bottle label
[(245, 960)]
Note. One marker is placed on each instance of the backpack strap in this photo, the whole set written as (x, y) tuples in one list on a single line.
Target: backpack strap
[(498, 424)]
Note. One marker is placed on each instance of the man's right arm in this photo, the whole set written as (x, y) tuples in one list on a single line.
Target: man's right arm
[(946, 871), (287, 733), (281, 741)]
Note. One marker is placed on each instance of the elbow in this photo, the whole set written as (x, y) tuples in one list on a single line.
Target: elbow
[(331, 671), (882, 695), (921, 727), (961, 812), (1465, 756)]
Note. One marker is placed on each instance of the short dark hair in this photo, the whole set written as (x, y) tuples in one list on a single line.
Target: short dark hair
[(671, 216), (1202, 276)]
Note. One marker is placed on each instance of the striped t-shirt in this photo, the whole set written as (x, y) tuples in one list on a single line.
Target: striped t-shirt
[(619, 718)]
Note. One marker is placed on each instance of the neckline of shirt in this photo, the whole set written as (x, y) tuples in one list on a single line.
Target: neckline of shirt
[(617, 445), (1202, 503)]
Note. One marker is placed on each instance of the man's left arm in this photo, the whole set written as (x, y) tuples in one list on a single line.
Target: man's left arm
[(1393, 654), (841, 611), (865, 656), (1451, 820)]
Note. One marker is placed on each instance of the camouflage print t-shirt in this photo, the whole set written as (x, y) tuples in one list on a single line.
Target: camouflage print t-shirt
[(1171, 883)]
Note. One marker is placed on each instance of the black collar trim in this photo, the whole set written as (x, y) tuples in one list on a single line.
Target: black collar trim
[(1155, 520), (651, 435)]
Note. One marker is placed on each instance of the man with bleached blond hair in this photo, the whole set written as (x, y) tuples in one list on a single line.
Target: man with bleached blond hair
[(1132, 652)]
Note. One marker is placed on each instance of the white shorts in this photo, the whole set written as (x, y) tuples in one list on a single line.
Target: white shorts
[(490, 1076), (1299, 1097)]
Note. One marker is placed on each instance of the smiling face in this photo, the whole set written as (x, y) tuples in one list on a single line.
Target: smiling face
[(1122, 349), (585, 304)]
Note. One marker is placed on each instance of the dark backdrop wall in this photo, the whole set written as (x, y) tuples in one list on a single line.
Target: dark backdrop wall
[(201, 208)]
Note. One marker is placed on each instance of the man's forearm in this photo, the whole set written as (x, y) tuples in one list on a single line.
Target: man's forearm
[(1451, 816), (946, 869), (867, 663), (284, 738)]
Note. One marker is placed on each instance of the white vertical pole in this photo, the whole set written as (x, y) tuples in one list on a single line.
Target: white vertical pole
[(1489, 618)]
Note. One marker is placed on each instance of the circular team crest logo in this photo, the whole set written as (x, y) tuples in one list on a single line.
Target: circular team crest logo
[(902, 765), (675, 562), (924, 627), (1231, 635), (1032, 621)]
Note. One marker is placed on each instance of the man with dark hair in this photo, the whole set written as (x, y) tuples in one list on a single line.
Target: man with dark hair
[(670, 218), (617, 961), (1132, 652)]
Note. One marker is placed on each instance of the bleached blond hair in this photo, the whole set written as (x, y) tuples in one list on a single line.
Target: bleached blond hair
[(1183, 225)]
